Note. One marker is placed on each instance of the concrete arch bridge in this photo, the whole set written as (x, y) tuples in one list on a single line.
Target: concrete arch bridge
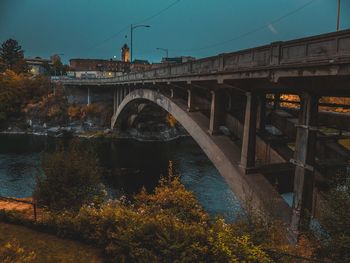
[(234, 105)]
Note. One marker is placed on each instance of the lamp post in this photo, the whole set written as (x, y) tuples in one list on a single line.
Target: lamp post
[(338, 16), (132, 28), (165, 50)]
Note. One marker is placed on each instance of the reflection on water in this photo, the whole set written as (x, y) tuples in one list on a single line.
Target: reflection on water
[(20, 163)]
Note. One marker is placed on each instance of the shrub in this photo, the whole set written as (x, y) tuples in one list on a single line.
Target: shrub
[(167, 226), (12, 252), (336, 222), (71, 179)]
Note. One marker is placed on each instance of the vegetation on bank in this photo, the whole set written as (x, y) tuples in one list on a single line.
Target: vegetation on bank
[(20, 244), (167, 225), (24, 96), (335, 221), (70, 179), (17, 91)]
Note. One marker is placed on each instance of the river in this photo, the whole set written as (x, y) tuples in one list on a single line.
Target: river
[(20, 159)]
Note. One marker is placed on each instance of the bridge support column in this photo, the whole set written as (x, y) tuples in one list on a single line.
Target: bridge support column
[(304, 160), (261, 117), (115, 103), (88, 97), (249, 132), (118, 96), (191, 101), (216, 112), (122, 94), (277, 101)]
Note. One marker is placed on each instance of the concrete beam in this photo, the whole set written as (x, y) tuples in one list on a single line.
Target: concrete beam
[(304, 160), (249, 132), (115, 103), (216, 111), (88, 97), (261, 116), (191, 100)]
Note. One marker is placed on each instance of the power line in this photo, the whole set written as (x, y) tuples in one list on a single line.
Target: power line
[(275, 21), (160, 12)]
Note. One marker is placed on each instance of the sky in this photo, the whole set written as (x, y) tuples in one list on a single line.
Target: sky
[(199, 28)]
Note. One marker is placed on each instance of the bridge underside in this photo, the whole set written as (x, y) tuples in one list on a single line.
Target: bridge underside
[(231, 127), (252, 189)]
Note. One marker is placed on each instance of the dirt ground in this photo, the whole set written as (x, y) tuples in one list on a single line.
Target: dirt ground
[(23, 208)]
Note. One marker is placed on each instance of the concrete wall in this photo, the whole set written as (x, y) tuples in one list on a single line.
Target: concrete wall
[(264, 153), (80, 95)]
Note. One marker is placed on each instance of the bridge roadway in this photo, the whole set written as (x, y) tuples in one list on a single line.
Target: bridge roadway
[(231, 90)]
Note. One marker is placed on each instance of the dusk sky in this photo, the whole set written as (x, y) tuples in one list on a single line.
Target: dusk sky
[(97, 28)]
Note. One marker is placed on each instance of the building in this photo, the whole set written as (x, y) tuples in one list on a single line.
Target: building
[(125, 53), (38, 65), (177, 60), (97, 68), (140, 65)]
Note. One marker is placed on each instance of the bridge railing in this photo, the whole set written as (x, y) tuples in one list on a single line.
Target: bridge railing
[(323, 49)]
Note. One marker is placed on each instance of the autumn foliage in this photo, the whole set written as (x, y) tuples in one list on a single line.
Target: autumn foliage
[(166, 226), (17, 90), (12, 252)]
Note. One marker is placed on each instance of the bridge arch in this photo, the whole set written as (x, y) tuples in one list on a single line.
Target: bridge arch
[(223, 152)]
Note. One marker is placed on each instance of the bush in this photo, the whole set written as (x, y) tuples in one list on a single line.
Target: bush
[(71, 179), (336, 222), (167, 226), (11, 252)]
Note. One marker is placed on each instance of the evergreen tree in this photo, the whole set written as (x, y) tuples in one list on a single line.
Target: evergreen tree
[(12, 56)]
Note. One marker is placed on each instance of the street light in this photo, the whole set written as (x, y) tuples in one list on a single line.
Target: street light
[(165, 50), (132, 27), (338, 16)]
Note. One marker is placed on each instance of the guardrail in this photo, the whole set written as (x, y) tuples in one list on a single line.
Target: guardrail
[(9, 199)]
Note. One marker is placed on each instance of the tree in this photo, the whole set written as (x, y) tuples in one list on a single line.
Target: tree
[(17, 90), (57, 65), (12, 56), (47, 68), (71, 179)]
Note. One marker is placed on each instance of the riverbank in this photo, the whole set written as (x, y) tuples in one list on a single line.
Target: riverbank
[(88, 132)]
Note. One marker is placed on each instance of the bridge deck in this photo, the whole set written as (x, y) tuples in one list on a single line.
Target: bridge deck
[(320, 56)]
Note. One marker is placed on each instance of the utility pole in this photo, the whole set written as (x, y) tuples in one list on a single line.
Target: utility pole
[(165, 50), (131, 33), (338, 16), (132, 27)]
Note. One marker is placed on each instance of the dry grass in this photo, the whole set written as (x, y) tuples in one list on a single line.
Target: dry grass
[(24, 209), (49, 248)]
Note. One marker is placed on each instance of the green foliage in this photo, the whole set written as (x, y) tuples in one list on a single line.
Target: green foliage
[(71, 179), (12, 252), (12, 56), (167, 226)]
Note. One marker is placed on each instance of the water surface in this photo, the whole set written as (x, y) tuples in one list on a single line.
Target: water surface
[(20, 159)]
